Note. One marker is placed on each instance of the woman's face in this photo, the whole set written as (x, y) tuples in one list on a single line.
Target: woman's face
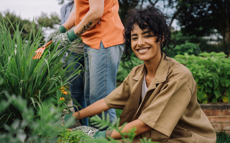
[(144, 44)]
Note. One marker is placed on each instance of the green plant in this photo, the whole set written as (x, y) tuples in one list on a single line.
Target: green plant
[(41, 127), (212, 75), (33, 80), (222, 137), (189, 48), (79, 136)]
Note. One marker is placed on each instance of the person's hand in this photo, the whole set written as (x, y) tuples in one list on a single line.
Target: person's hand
[(56, 32), (67, 117), (52, 35), (88, 130), (63, 39)]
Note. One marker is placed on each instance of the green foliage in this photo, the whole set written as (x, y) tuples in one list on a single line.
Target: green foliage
[(45, 126), (203, 17), (79, 136), (222, 137), (189, 48), (74, 137), (204, 44), (212, 75), (11, 21), (48, 21), (33, 80)]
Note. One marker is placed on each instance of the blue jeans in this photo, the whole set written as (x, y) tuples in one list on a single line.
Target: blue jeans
[(76, 83), (101, 67)]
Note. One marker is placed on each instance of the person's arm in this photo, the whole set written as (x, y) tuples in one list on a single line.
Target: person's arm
[(140, 126), (90, 19), (91, 110), (98, 107)]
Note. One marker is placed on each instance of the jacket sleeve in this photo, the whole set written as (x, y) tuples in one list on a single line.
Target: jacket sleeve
[(118, 97)]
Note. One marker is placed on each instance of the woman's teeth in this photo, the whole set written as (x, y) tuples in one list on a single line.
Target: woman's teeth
[(143, 50)]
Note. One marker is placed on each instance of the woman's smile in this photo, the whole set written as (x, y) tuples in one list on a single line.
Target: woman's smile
[(142, 51)]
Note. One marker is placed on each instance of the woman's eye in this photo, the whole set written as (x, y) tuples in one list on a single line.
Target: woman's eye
[(134, 38), (148, 36)]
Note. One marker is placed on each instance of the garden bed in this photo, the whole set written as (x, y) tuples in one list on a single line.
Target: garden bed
[(219, 116)]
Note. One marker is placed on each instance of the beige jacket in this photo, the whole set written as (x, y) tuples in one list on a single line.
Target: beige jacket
[(169, 107)]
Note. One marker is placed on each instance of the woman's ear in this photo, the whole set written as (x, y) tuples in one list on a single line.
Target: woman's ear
[(163, 38)]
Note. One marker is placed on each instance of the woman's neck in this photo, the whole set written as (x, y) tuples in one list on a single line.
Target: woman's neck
[(152, 66)]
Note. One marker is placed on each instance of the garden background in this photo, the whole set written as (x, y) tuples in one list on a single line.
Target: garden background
[(31, 88)]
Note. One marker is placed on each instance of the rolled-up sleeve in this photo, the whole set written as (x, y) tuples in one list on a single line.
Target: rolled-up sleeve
[(167, 107), (119, 97)]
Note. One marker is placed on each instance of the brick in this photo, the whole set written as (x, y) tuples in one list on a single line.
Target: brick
[(226, 112), (212, 112), (219, 119), (217, 127), (226, 127)]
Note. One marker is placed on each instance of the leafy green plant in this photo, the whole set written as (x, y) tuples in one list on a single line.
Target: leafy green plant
[(222, 137), (79, 136), (41, 127), (189, 48), (212, 75), (34, 80)]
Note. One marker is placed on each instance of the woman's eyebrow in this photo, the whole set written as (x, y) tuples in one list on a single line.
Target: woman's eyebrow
[(133, 35), (145, 32)]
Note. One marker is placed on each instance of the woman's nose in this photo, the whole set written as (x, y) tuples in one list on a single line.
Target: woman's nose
[(140, 41)]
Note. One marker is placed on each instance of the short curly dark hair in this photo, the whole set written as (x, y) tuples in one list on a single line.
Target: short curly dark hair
[(152, 19)]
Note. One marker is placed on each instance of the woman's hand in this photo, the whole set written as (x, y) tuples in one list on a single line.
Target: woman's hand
[(58, 31), (63, 39)]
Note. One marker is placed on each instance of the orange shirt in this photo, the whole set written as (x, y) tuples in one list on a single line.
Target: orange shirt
[(109, 29)]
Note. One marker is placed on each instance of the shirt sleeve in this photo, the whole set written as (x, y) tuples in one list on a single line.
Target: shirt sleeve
[(167, 107), (118, 97)]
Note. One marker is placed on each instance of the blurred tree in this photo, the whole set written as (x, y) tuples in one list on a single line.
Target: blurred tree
[(11, 20), (125, 6), (26, 26), (47, 21), (202, 17)]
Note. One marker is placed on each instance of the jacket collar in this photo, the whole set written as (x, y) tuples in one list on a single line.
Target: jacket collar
[(161, 73)]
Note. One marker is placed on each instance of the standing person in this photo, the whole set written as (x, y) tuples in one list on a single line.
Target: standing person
[(159, 97), (76, 54), (99, 25), (76, 51)]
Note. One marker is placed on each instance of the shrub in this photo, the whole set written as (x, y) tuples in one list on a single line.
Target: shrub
[(41, 127), (33, 80), (222, 137), (189, 48), (212, 75)]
